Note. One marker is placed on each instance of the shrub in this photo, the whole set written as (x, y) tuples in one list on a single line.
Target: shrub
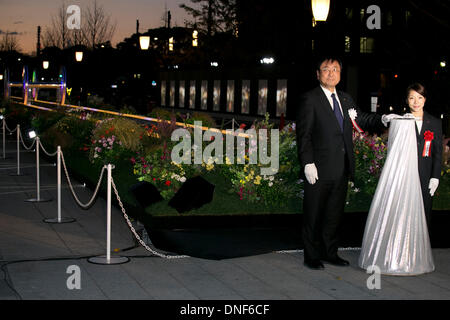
[(42, 121), (158, 168), (370, 155), (162, 114), (114, 139), (71, 133), (206, 119)]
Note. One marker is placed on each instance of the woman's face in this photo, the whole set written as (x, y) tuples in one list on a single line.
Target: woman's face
[(416, 101)]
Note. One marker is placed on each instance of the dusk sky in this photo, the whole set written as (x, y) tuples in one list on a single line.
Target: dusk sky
[(23, 16)]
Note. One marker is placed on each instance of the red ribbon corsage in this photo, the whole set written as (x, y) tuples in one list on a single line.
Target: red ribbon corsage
[(428, 136)]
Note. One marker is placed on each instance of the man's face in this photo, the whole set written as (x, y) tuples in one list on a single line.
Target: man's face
[(329, 74)]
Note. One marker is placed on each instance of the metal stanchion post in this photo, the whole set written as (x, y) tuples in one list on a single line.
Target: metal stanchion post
[(59, 219), (108, 259), (38, 182), (18, 149), (4, 137), (18, 153)]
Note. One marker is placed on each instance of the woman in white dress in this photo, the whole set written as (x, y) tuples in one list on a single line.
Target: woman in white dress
[(396, 237)]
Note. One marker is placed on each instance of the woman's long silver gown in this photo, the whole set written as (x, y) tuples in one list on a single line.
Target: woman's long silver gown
[(396, 236)]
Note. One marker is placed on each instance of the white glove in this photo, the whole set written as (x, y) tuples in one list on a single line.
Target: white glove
[(409, 116), (311, 173), (434, 183), (385, 118)]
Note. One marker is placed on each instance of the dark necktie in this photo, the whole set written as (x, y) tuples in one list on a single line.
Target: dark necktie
[(337, 112)]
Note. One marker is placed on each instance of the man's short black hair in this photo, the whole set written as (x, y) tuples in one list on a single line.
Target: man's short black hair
[(322, 59)]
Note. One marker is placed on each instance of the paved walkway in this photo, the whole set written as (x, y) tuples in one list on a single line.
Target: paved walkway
[(36, 257)]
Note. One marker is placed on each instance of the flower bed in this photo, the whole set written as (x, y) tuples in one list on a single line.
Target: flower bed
[(142, 152)]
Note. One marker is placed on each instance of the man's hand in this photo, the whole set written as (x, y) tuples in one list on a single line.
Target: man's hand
[(386, 118), (434, 183), (311, 173)]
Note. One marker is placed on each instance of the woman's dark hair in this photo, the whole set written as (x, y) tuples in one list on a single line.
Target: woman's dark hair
[(417, 87)]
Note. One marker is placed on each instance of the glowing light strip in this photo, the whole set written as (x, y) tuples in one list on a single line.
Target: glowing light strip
[(180, 124)]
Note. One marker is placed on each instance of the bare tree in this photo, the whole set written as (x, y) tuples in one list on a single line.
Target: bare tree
[(97, 27), (8, 42), (213, 16), (57, 34)]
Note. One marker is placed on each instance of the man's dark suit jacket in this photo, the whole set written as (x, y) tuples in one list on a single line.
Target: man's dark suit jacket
[(319, 137)]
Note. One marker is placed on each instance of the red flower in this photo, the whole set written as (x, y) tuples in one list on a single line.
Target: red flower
[(168, 183), (428, 135)]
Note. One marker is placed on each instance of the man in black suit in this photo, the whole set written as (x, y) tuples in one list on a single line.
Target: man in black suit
[(325, 151)]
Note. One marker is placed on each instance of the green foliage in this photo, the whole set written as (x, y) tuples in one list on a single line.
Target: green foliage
[(71, 133), (16, 114), (158, 169), (162, 114), (206, 119), (370, 155), (115, 138), (273, 190), (149, 149), (41, 122)]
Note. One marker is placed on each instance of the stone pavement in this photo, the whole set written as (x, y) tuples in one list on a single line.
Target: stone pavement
[(36, 256)]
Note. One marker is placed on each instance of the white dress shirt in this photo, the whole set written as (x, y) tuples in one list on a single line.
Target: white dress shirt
[(330, 99), (419, 125)]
